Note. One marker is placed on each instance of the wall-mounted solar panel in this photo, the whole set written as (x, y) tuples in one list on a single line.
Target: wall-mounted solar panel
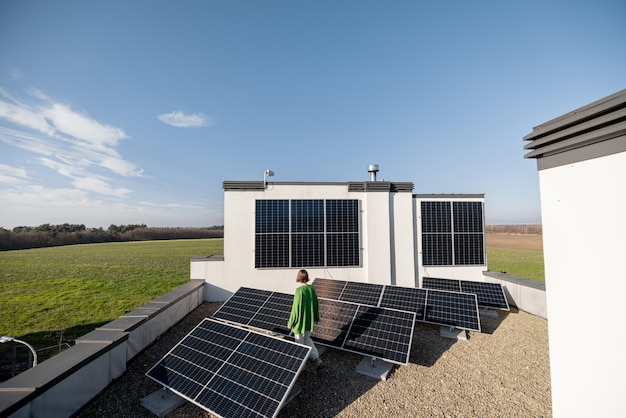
[(230, 371), (459, 310), (489, 295)]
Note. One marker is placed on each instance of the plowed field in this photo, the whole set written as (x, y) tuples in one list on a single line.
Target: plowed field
[(516, 241)]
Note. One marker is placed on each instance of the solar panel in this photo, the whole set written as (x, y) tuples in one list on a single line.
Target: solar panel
[(257, 308), (242, 305), (364, 293), (405, 298), (329, 288), (455, 309), (384, 333), (381, 332), (447, 311), (489, 295), (334, 324), (436, 283), (230, 371)]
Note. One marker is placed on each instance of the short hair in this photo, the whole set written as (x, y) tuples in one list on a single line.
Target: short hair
[(302, 276)]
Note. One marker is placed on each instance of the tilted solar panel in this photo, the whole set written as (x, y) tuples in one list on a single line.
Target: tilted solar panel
[(230, 371), (382, 333), (489, 295), (334, 324), (439, 310), (455, 309), (342, 324), (364, 293), (242, 305), (329, 288), (436, 283), (405, 298)]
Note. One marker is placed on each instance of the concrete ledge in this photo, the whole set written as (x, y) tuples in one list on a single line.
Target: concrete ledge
[(61, 385), (525, 294)]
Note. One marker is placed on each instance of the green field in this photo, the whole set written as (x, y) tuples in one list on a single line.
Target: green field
[(522, 263), (76, 288), (79, 287)]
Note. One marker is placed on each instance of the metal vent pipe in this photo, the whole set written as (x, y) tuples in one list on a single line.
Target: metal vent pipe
[(372, 169)]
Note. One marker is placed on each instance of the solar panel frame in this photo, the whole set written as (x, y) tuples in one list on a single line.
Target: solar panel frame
[(231, 371)]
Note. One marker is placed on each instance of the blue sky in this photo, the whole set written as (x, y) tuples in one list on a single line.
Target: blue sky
[(120, 112)]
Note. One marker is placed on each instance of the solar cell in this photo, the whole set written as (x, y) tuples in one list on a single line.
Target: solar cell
[(455, 309), (231, 371)]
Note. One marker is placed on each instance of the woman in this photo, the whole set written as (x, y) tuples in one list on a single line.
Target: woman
[(304, 314)]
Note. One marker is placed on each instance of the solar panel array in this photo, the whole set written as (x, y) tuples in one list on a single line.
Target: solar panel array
[(231, 371), (385, 333), (438, 307), (489, 295)]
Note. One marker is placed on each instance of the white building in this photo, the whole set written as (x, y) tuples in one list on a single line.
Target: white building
[(367, 231), (581, 159)]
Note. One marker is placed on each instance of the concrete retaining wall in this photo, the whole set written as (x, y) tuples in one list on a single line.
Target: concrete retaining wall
[(61, 385)]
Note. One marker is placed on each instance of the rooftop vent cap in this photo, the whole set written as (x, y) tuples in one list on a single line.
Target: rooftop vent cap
[(372, 169)]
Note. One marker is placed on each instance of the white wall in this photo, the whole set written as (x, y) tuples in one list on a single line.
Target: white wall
[(388, 228), (583, 208)]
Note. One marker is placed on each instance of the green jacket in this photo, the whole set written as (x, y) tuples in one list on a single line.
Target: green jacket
[(305, 310)]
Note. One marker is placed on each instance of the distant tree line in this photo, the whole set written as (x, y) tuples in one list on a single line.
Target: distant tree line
[(47, 235), (533, 229)]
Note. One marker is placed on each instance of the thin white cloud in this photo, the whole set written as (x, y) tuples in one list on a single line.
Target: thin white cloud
[(82, 127), (12, 175), (180, 120), (93, 184), (69, 142)]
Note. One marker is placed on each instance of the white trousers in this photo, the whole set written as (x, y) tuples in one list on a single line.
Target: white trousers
[(306, 340)]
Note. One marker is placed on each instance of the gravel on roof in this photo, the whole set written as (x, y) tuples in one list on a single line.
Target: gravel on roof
[(504, 371)]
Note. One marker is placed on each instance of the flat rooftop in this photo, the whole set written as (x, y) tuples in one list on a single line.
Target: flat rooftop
[(503, 371)]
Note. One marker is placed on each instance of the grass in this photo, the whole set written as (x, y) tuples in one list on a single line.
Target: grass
[(79, 287), (73, 289), (522, 263)]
